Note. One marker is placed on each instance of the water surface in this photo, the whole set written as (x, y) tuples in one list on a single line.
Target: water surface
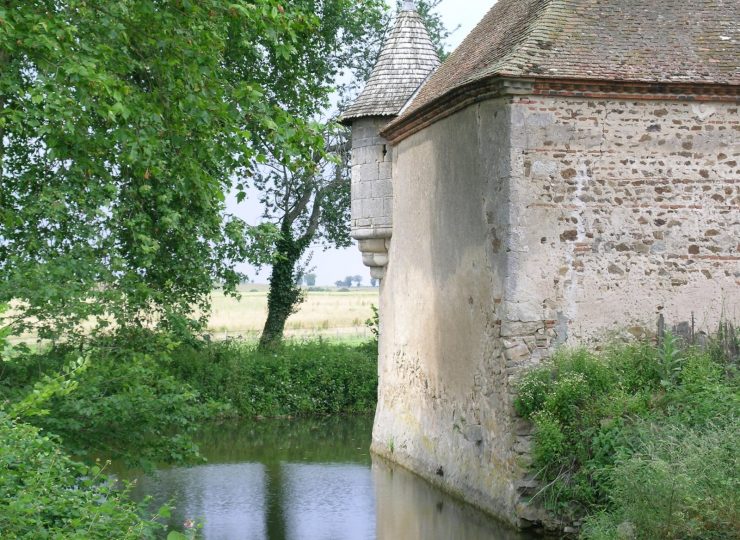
[(308, 479)]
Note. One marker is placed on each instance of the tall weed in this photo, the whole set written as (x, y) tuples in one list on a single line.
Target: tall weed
[(608, 437), (680, 483)]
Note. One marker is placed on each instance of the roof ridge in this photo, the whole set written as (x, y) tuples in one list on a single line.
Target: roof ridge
[(665, 41)]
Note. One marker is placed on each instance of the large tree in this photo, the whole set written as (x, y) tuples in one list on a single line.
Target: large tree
[(121, 126), (308, 200)]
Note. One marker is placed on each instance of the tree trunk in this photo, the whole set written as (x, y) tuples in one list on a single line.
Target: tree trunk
[(284, 294)]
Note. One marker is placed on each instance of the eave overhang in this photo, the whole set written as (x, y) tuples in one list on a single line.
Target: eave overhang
[(499, 86)]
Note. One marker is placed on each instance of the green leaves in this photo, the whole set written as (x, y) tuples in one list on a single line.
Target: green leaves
[(306, 378), (50, 386), (45, 494), (122, 125), (671, 360), (623, 422)]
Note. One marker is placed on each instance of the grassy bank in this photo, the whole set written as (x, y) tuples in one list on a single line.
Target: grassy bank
[(140, 398), (638, 441)]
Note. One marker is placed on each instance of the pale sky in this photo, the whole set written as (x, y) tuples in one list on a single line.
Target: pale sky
[(334, 264)]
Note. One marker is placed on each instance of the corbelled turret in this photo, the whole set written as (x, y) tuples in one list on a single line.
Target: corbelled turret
[(406, 60)]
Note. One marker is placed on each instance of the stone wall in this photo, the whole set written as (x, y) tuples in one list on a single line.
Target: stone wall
[(444, 404), (372, 190), (628, 210), (526, 222)]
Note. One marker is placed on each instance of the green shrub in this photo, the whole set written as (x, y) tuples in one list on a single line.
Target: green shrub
[(295, 379), (45, 494), (127, 406), (549, 438), (597, 417), (139, 397), (123, 404)]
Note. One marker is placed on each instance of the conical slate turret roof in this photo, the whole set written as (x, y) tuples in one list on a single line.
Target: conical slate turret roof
[(405, 61)]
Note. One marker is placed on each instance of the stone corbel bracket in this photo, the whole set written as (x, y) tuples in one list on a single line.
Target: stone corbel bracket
[(375, 251)]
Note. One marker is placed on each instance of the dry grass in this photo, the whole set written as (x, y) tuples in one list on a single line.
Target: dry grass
[(330, 314)]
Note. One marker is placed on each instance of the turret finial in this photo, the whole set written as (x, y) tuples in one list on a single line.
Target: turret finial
[(409, 5)]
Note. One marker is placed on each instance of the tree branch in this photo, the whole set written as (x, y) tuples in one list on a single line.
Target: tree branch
[(300, 207), (313, 221)]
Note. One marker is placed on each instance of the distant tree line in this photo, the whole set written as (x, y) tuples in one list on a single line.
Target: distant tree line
[(348, 281)]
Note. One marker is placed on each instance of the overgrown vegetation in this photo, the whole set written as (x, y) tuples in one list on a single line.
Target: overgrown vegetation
[(45, 494), (315, 377), (124, 404), (140, 397), (639, 441), (143, 405)]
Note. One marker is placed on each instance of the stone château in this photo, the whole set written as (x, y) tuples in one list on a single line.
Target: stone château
[(569, 172)]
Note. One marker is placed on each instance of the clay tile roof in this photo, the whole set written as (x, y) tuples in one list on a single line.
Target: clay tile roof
[(405, 61), (655, 41)]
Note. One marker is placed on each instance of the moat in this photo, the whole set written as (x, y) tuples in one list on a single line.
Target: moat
[(308, 479)]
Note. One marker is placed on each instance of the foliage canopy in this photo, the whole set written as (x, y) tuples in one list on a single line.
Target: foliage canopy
[(122, 125)]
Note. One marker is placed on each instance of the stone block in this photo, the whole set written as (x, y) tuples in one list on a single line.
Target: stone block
[(365, 173), (362, 190), (381, 189), (367, 154), (517, 353), (372, 208), (383, 222), (357, 209)]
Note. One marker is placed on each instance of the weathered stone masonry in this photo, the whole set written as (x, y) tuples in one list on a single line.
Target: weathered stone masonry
[(630, 208), (544, 221), (372, 193), (570, 172)]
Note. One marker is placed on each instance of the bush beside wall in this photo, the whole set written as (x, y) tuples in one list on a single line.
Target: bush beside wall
[(638, 441)]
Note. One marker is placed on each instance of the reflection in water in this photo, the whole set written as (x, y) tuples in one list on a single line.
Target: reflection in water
[(229, 500), (329, 501), (309, 479), (412, 509)]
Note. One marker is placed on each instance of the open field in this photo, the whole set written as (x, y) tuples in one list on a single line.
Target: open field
[(329, 314)]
